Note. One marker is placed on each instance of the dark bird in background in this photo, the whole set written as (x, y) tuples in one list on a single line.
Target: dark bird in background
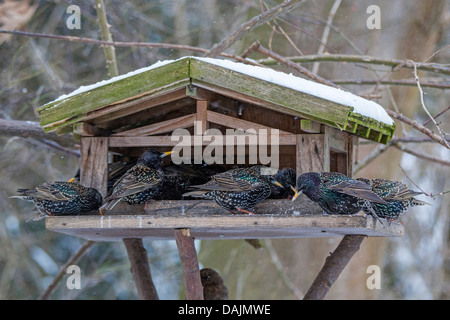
[(399, 198), (62, 198), (286, 177), (213, 285), (336, 193), (178, 178), (140, 183), (238, 189)]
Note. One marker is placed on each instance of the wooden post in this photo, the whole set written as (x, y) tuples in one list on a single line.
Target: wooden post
[(313, 153), (140, 269), (94, 173), (189, 263), (334, 264), (94, 163)]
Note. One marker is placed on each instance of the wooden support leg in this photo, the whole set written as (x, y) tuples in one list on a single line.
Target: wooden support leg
[(334, 264), (189, 263), (140, 269)]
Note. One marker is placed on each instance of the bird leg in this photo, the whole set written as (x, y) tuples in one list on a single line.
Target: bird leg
[(245, 211), (372, 212)]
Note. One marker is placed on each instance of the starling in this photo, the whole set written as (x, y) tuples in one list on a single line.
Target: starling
[(213, 286), (238, 189), (397, 195), (335, 193), (286, 177), (140, 183), (62, 198), (178, 179)]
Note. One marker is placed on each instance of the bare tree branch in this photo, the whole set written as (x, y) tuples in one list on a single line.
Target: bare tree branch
[(436, 116), (250, 25), (277, 263), (441, 132), (31, 129), (63, 271), (124, 44), (439, 84), (326, 32), (334, 264), (394, 63), (416, 125), (295, 66), (421, 155), (110, 51)]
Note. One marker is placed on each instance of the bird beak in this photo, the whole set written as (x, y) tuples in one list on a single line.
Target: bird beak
[(296, 193), (277, 184), (165, 154), (71, 180)]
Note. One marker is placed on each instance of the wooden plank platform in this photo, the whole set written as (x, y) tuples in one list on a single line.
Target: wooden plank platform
[(274, 219)]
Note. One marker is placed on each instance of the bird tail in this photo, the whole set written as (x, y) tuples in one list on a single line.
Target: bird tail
[(109, 204), (20, 197), (416, 202), (25, 194), (197, 194)]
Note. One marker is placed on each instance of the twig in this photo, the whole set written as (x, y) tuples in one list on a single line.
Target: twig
[(405, 82), (334, 264), (110, 51), (276, 261), (436, 53), (295, 66), (421, 155), (441, 132), (432, 195), (72, 260), (326, 32), (436, 116), (406, 140), (250, 25), (432, 67), (372, 155), (416, 125), (124, 44)]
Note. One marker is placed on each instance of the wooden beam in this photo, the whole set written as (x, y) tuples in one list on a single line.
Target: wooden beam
[(334, 264), (160, 127), (206, 220), (122, 109), (140, 269), (85, 129), (237, 123), (189, 263), (158, 141), (310, 126)]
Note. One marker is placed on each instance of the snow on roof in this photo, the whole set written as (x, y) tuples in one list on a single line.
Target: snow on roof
[(108, 81), (360, 105)]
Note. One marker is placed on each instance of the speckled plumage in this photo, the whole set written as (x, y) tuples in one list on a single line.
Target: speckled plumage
[(238, 189), (398, 196), (336, 193), (62, 198), (140, 183)]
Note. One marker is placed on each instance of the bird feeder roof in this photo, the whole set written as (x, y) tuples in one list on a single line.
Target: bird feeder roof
[(264, 87)]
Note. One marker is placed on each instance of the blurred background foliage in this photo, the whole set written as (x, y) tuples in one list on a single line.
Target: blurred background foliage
[(37, 70)]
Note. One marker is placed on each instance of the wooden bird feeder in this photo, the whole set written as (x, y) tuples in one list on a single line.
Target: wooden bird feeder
[(121, 117)]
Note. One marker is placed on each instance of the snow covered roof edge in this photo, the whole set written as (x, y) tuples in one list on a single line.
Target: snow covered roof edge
[(360, 105)]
